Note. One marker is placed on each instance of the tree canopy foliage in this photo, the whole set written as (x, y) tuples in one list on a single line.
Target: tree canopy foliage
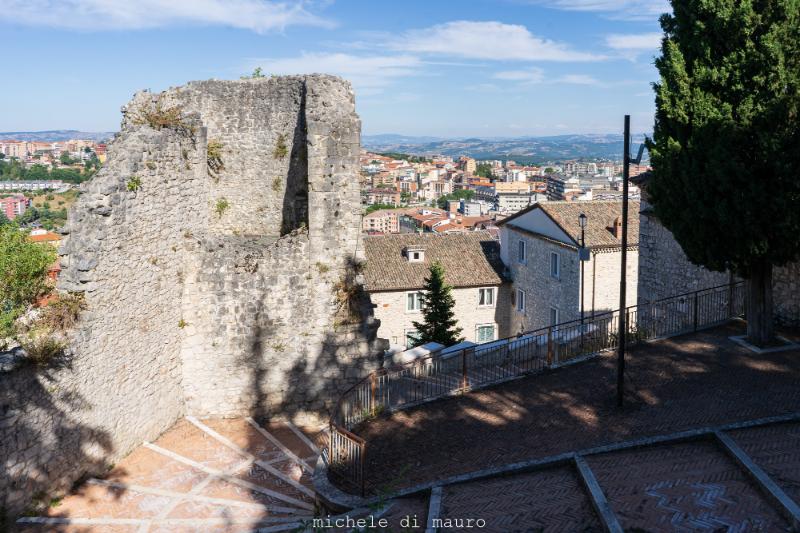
[(23, 273), (12, 169), (726, 145), (458, 194)]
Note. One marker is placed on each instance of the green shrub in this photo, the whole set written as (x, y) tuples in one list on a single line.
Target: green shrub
[(23, 269), (41, 347), (62, 313)]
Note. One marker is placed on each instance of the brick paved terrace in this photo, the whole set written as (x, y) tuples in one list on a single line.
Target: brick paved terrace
[(683, 383)]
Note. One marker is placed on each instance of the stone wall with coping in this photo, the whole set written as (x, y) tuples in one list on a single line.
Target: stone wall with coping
[(192, 310), (666, 271)]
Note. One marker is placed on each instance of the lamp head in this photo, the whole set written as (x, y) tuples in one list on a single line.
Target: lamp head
[(582, 220)]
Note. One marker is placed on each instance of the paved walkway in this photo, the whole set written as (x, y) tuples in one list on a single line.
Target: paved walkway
[(668, 487), (675, 384)]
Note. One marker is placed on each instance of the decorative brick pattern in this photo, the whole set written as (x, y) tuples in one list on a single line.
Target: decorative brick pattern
[(682, 487), (547, 501)]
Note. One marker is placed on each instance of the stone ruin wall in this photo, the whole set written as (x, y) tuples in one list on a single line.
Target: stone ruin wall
[(193, 311), (664, 271)]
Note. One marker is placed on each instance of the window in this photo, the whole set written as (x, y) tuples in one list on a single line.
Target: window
[(520, 300), (521, 255), (553, 316), (486, 297), (414, 301), (412, 338), (555, 265), (484, 333)]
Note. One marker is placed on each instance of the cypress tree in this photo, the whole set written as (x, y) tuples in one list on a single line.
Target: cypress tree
[(726, 145), (439, 322)]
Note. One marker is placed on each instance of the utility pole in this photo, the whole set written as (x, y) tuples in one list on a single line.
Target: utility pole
[(623, 311)]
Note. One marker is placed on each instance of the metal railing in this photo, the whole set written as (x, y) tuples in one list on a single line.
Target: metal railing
[(444, 374)]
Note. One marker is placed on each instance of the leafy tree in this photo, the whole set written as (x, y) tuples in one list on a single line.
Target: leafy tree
[(65, 158), (3, 219), (376, 207), (484, 170), (439, 322), (37, 172), (459, 194), (549, 170), (23, 274), (726, 145)]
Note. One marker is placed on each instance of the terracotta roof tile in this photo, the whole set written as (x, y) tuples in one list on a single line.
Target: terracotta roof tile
[(470, 259)]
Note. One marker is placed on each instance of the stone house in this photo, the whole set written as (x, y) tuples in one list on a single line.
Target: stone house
[(396, 268), (540, 248)]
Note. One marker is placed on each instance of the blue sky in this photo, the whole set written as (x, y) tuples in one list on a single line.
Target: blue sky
[(419, 67)]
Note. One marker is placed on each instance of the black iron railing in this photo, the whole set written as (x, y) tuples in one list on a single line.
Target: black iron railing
[(444, 374)]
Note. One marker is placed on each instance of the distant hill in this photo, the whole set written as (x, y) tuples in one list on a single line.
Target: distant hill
[(56, 135), (528, 149)]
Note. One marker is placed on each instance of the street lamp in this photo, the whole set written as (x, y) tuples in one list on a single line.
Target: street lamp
[(582, 256)]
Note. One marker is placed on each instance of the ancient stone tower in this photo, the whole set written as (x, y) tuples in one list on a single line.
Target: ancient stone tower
[(215, 250)]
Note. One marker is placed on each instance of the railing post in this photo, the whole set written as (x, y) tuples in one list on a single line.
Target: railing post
[(464, 376), (696, 297), (372, 387), (363, 454), (549, 345)]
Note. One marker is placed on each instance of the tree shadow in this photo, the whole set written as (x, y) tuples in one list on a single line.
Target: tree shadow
[(676, 384), (45, 446)]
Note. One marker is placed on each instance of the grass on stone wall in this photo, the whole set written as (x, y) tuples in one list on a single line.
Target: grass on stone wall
[(159, 115), (214, 157), (221, 206), (134, 183), (281, 150)]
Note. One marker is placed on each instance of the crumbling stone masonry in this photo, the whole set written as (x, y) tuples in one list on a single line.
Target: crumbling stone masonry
[(208, 248)]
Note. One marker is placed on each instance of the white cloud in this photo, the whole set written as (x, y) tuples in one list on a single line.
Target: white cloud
[(641, 41), (255, 15), (536, 76), (533, 75), (486, 40), (368, 74), (579, 79), (619, 9)]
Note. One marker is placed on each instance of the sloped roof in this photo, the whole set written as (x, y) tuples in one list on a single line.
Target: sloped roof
[(600, 216), (470, 259)]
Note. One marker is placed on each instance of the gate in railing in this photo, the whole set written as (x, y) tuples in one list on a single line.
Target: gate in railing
[(437, 375)]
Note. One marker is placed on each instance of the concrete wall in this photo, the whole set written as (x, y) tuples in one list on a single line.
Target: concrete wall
[(396, 320), (191, 310)]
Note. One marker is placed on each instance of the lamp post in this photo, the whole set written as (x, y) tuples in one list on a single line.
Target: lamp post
[(581, 256)]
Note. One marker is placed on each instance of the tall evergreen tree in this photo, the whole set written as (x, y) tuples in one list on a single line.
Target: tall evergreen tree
[(439, 322), (726, 145)]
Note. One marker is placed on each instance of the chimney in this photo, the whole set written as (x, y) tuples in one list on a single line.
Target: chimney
[(617, 230)]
